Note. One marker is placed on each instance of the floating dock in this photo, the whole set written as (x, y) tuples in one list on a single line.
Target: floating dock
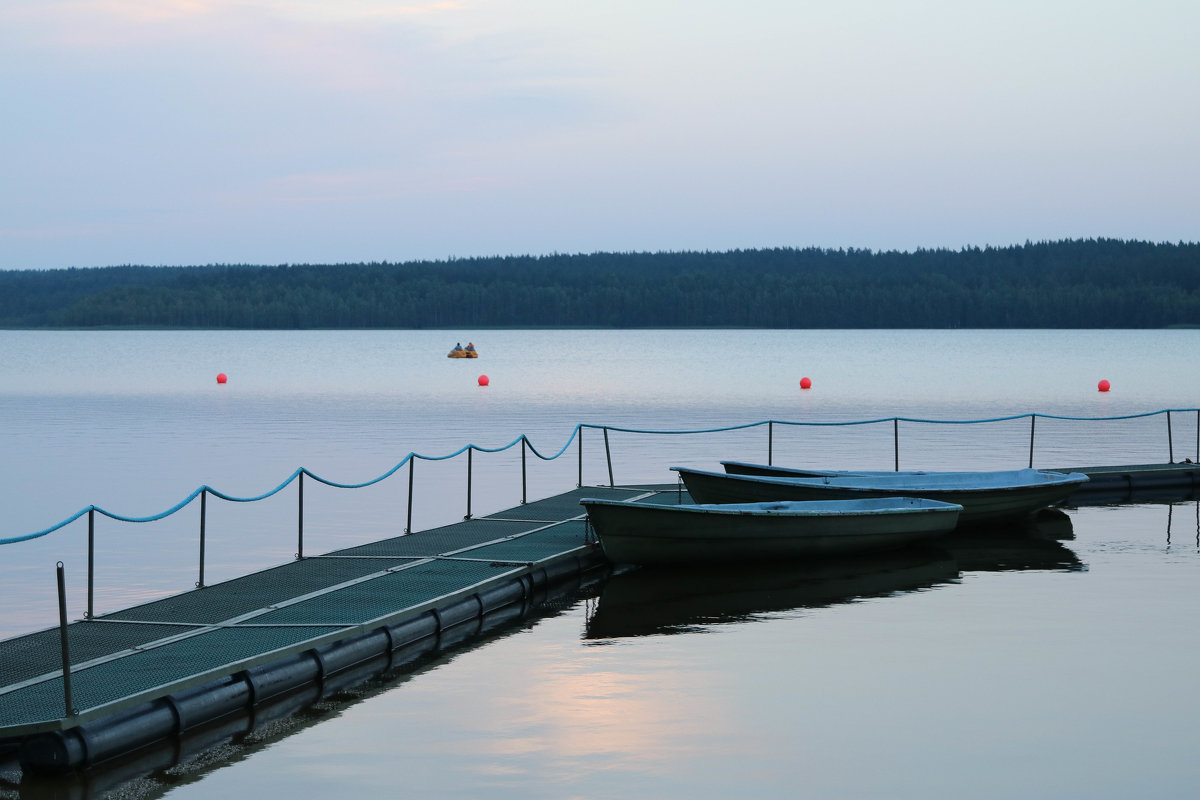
[(288, 636), (160, 669), (1136, 482)]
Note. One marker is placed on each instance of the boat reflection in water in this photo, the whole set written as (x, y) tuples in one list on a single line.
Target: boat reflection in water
[(685, 599)]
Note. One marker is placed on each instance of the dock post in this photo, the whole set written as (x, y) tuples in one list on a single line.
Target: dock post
[(68, 704), (1170, 440), (608, 456), (579, 483), (300, 519), (770, 440), (412, 460), (896, 440), (470, 451), (91, 560), (203, 513), (1032, 423), (523, 485)]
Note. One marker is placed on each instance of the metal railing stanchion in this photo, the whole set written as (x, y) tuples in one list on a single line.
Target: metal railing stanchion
[(412, 461), (1032, 423), (91, 561), (524, 496), (608, 456), (300, 519), (896, 440), (68, 704), (470, 452), (203, 512), (1170, 440)]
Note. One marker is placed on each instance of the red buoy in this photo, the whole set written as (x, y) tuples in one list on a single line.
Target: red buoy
[(483, 380), (1103, 386), (805, 383), (222, 377)]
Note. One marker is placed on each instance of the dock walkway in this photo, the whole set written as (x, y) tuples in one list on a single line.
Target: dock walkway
[(186, 659)]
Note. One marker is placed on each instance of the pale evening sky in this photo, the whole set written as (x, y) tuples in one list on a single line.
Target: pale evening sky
[(326, 131)]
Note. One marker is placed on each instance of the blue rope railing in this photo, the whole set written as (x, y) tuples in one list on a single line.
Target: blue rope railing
[(576, 436)]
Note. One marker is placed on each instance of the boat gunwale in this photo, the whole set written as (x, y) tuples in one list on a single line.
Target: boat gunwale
[(869, 482), (787, 508)]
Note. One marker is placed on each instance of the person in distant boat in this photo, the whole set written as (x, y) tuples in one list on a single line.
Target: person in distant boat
[(470, 347), (458, 346)]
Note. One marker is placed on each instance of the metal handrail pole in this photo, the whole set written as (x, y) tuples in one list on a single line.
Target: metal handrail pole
[(300, 519), (203, 512), (68, 704), (91, 560), (1170, 440), (608, 456), (470, 452), (896, 440), (579, 483), (523, 482), (770, 441), (412, 461), (1032, 424)]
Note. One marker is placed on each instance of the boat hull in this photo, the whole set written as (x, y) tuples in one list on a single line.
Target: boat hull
[(1013, 494), (644, 533)]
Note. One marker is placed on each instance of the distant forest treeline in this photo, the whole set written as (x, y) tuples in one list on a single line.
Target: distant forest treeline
[(1104, 283)]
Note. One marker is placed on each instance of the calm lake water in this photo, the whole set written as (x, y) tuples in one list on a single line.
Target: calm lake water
[(1056, 662)]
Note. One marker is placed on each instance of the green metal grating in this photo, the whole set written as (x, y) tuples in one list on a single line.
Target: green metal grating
[(537, 546), (234, 598), (145, 671), (439, 540), (27, 657), (565, 506), (386, 594), (674, 497)]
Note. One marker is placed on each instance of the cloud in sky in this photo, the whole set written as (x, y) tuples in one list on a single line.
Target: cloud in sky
[(198, 131)]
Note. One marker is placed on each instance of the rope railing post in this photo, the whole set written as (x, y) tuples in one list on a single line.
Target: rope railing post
[(770, 441), (68, 704), (523, 484), (203, 512), (412, 460), (579, 483), (470, 451), (91, 561), (1170, 440), (1032, 423), (896, 440), (1198, 437), (300, 519), (608, 456)]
